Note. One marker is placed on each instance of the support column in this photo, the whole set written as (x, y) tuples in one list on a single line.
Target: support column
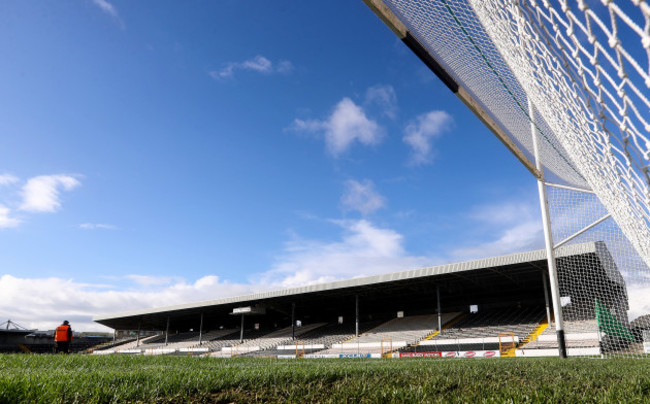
[(439, 310), (356, 315), (137, 337), (167, 331), (548, 237), (548, 306), (241, 332), (201, 330), (293, 321)]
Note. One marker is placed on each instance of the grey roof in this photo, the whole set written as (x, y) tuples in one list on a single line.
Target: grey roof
[(453, 268)]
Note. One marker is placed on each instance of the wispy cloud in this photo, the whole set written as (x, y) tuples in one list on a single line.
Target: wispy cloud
[(515, 226), (42, 193), (347, 124), (93, 226), (109, 9), (5, 219), (420, 133), (362, 197), (148, 281), (639, 299), (383, 96), (363, 249), (258, 64), (8, 179), (44, 302)]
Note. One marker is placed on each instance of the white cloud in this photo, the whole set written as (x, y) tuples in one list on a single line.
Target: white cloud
[(420, 133), (384, 96), (362, 197), (93, 226), (44, 302), (41, 194), (639, 299), (258, 64), (5, 220), (109, 9), (364, 249), (347, 123), (7, 179), (516, 227), (148, 281)]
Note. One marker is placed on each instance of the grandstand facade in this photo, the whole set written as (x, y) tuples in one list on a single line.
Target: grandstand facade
[(478, 306)]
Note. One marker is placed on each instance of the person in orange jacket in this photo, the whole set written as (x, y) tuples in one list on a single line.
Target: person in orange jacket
[(63, 337)]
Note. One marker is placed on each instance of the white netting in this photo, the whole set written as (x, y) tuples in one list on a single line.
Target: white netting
[(590, 112), (585, 67)]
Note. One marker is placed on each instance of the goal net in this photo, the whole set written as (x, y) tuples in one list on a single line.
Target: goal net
[(575, 75)]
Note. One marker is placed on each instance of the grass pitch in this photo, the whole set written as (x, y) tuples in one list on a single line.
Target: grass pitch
[(118, 379)]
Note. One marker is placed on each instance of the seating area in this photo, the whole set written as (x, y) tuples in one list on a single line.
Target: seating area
[(491, 322), (480, 330), (318, 339), (577, 334), (269, 341), (390, 336), (463, 332), (174, 341)]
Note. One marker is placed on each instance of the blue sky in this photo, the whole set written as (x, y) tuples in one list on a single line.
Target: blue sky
[(154, 153)]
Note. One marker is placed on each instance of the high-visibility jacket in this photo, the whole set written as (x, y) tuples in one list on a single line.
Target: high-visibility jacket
[(63, 333)]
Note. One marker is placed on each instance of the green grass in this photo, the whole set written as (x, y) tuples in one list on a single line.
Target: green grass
[(113, 379)]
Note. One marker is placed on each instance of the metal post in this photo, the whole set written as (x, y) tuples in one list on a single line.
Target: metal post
[(167, 331), (201, 330), (293, 320), (356, 315), (548, 308), (548, 237), (137, 337), (241, 332), (439, 312)]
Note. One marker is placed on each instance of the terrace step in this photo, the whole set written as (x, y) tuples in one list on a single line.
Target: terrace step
[(535, 333)]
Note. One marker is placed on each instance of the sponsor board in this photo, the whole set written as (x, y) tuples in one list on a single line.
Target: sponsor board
[(420, 354), (364, 355), (104, 352), (197, 350), (451, 354)]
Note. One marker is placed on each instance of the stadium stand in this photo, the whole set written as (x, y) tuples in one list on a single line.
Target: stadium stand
[(317, 339), (262, 346), (391, 335), (579, 334), (480, 330), (509, 292)]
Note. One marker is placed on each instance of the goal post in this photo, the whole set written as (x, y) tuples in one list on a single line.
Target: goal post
[(565, 86), (300, 349), (386, 345), (506, 344)]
